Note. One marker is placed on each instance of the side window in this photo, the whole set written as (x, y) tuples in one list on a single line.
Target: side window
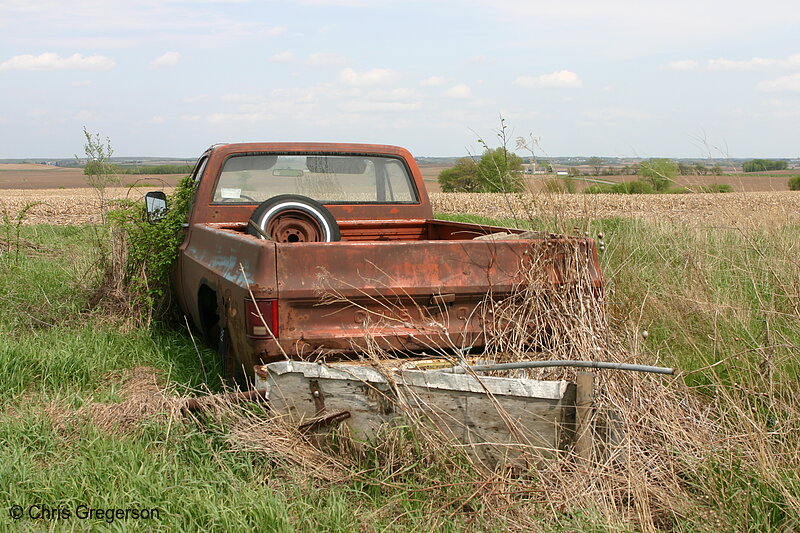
[(198, 175), (399, 183), (200, 169)]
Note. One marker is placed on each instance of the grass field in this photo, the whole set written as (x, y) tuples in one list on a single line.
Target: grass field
[(88, 397)]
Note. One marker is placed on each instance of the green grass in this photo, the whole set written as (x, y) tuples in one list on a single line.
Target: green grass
[(55, 352), (713, 296)]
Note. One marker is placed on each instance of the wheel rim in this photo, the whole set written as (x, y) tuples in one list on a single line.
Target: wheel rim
[(295, 226)]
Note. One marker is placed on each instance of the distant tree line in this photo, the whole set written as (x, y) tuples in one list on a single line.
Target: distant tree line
[(601, 168), (698, 169), (761, 165), (93, 168)]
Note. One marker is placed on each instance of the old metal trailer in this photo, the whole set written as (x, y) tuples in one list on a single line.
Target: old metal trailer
[(498, 419)]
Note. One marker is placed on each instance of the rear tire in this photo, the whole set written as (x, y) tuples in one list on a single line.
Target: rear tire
[(294, 218)]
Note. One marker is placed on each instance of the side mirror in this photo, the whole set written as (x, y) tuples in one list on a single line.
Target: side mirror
[(156, 206)]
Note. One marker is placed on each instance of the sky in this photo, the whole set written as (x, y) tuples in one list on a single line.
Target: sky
[(615, 78)]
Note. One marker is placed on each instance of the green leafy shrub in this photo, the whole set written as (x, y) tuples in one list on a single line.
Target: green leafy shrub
[(599, 189), (12, 226), (151, 249), (794, 183), (714, 187), (153, 169), (498, 170), (626, 187), (762, 165), (660, 172), (463, 177), (563, 186)]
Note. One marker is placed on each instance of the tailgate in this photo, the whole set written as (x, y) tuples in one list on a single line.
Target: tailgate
[(406, 290)]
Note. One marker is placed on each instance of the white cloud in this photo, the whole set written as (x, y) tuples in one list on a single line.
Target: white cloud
[(400, 93), (774, 102), (51, 61), (458, 91), (157, 120), (195, 98), (360, 106), (519, 116), (481, 61), (282, 57), (708, 21), (614, 114), (226, 118), (785, 83), (750, 64), (755, 63), (238, 98), (170, 59), (118, 16), (683, 64), (274, 31), (353, 3), (564, 79), (433, 81), (86, 115), (323, 59), (376, 76)]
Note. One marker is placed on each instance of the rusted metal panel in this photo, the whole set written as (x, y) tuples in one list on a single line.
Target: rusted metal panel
[(406, 295), (496, 417), (412, 268), (332, 294), (230, 264)]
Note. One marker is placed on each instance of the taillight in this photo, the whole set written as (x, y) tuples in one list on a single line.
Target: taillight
[(262, 318)]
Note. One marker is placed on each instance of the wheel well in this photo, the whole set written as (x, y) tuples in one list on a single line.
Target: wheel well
[(209, 315)]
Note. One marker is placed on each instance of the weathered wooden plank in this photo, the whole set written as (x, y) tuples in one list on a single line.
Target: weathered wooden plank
[(583, 415)]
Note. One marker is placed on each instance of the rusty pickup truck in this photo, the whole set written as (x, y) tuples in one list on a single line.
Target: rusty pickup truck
[(317, 251)]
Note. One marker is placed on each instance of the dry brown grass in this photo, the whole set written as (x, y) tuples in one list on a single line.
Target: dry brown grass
[(143, 399), (662, 455), (728, 209), (66, 207), (648, 431)]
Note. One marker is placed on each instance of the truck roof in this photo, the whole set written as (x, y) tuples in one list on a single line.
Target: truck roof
[(319, 147)]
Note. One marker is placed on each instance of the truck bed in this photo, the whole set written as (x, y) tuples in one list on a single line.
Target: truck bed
[(408, 285)]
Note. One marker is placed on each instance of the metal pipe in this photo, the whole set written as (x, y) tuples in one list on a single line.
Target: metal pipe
[(546, 364)]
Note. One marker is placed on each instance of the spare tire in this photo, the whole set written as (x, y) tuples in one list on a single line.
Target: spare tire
[(293, 218)]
